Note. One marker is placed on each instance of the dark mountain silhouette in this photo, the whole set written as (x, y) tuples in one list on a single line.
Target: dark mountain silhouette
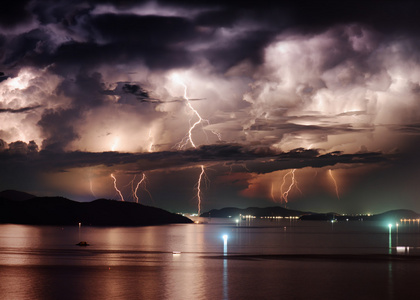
[(395, 215), (102, 212), (253, 211), (15, 195)]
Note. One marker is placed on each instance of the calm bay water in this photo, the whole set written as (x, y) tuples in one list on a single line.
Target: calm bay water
[(259, 260)]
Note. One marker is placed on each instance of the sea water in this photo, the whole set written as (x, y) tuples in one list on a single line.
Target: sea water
[(220, 259)]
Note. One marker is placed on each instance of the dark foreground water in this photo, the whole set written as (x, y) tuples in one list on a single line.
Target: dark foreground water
[(259, 260)]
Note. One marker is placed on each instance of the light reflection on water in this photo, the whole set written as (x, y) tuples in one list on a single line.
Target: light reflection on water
[(259, 259)]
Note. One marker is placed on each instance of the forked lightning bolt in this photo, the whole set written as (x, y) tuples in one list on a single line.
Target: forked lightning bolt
[(335, 183), (116, 188), (188, 138), (293, 182)]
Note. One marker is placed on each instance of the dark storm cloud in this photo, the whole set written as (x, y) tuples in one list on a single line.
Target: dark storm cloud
[(272, 125), (131, 89), (155, 41), (258, 160), (85, 56), (95, 40), (14, 12), (3, 76), (136, 90), (162, 42), (150, 30), (19, 110), (25, 47)]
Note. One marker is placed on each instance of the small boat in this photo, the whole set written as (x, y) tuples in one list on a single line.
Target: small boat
[(82, 243)]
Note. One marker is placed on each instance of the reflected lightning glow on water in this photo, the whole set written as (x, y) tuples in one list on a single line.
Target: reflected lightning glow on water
[(390, 239), (225, 269), (225, 239), (137, 262)]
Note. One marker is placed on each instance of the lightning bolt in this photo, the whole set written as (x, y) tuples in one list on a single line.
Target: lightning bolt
[(293, 183), (91, 187), (151, 140), (116, 188), (137, 187), (188, 138), (272, 192), (114, 146), (201, 177), (335, 183)]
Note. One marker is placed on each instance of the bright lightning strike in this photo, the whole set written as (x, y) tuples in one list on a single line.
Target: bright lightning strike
[(202, 177), (189, 139), (151, 140), (116, 188), (293, 183), (335, 183), (115, 144), (137, 187)]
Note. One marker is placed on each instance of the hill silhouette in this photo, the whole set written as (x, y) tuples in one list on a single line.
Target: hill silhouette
[(395, 215), (102, 212), (15, 195)]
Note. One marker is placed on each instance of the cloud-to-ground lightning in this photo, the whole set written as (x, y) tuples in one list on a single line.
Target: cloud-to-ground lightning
[(137, 187), (188, 138), (272, 193), (116, 188), (335, 183), (202, 177), (293, 183), (151, 140), (115, 144), (91, 187)]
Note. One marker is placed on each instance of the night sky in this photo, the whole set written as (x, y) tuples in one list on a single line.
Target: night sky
[(245, 97)]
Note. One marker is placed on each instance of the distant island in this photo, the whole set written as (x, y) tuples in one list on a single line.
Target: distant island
[(281, 212), (229, 212), (23, 208)]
